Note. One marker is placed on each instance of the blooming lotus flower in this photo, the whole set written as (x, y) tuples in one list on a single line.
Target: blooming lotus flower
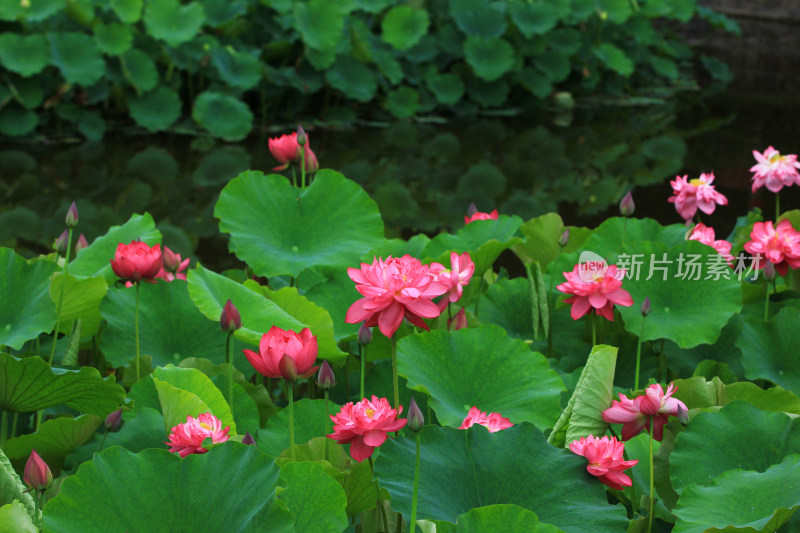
[(173, 268), (286, 150), (493, 421), (598, 295), (691, 195), (780, 245), (395, 288), (480, 216), (774, 171), (188, 438), (137, 261), (285, 354), (704, 234), (455, 279), (635, 415), (364, 425), (606, 460), (37, 474)]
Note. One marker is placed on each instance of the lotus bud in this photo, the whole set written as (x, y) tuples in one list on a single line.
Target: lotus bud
[(472, 209), (288, 368), (769, 271), (37, 474), (626, 206), (248, 439), (114, 421), (172, 261), (458, 322), (646, 306), (364, 335), (415, 418), (302, 138), (230, 320), (81, 244), (60, 245), (564, 239), (72, 216), (325, 377)]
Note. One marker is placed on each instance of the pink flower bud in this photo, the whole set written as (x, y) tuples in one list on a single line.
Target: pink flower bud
[(364, 335), (769, 271), (302, 138), (172, 261), (81, 244), (72, 216), (458, 322), (114, 421), (564, 239), (646, 306), (415, 418), (626, 206), (37, 474), (230, 320), (472, 209), (248, 439), (325, 377), (60, 245)]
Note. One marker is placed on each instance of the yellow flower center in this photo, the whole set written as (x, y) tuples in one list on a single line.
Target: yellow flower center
[(697, 182), (370, 412), (774, 158), (205, 426)]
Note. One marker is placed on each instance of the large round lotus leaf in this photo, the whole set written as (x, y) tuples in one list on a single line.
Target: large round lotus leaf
[(28, 91), (320, 23), (172, 22), (92, 126), (128, 11), (14, 518), (113, 39), (316, 500), (699, 393), (478, 17), (30, 11), (541, 239), (566, 40), (373, 6), (404, 26), (193, 381), (140, 70), (230, 488), (462, 471), (489, 57), (388, 65), (223, 115), (403, 102), (488, 94), (285, 308), (278, 229), (29, 384), (54, 440), (354, 79), (769, 350), (77, 56), (555, 65), (170, 326), (503, 306), (220, 166), (219, 12), (502, 518), (81, 300), (448, 88), (481, 367), (754, 440), (615, 59), (309, 422), (95, 261), (336, 295), (16, 121), (237, 69), (27, 309), (152, 164), (741, 500), (24, 54), (617, 11), (156, 110), (533, 18)]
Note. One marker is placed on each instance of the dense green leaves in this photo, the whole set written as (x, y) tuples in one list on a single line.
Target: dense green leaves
[(404, 26), (490, 57), (223, 115), (77, 57), (769, 349), (156, 110), (502, 518), (27, 309), (24, 54), (172, 22), (315, 499)]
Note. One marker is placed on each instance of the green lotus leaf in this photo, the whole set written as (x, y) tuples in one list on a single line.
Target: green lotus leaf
[(278, 229), (193, 381), (220, 166), (404, 26), (615, 59), (489, 57), (354, 79), (77, 57), (140, 70), (699, 393), (309, 422), (320, 23), (172, 22), (81, 300), (27, 91), (113, 39), (24, 54), (541, 239), (477, 17), (495, 373), (218, 12), (30, 11), (128, 11), (152, 160), (555, 65), (754, 440), (741, 500), (403, 102), (156, 110), (95, 261), (533, 18), (315, 499), (664, 66), (463, 471), (92, 126), (179, 494), (53, 441), (27, 309), (236, 68), (388, 65), (170, 326), (535, 82), (373, 6), (617, 11), (14, 518), (502, 518), (16, 121), (13, 489), (769, 349), (448, 88), (504, 307), (223, 115), (565, 40), (336, 295)]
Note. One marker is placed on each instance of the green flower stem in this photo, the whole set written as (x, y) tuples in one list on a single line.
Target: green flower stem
[(412, 525), (60, 298), (766, 303), (294, 178), (14, 425), (229, 360), (37, 510), (362, 356), (478, 296), (379, 501), (102, 442), (3, 428), (327, 425), (650, 515), (303, 166), (395, 381), (624, 223), (551, 307), (136, 327), (594, 328), (638, 355), (290, 394), (662, 364)]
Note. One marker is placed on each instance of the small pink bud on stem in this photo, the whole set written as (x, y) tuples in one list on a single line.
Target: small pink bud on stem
[(230, 320)]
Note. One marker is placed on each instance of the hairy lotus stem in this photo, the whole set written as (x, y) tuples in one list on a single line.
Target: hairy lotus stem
[(136, 327), (102, 442), (3, 423), (395, 382), (638, 355), (766, 302), (303, 166), (290, 394), (594, 328), (327, 424), (379, 501), (362, 356), (650, 514), (412, 526), (60, 298), (229, 360)]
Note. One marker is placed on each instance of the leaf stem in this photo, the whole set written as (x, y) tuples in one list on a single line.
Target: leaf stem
[(229, 360), (136, 327), (290, 394), (650, 514), (60, 298), (766, 302), (412, 525), (362, 356), (327, 425), (3, 428), (638, 355), (395, 381)]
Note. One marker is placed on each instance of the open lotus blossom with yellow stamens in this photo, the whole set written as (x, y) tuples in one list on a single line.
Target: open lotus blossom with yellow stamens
[(699, 193), (606, 460), (188, 438), (365, 425), (780, 245), (774, 171), (636, 414)]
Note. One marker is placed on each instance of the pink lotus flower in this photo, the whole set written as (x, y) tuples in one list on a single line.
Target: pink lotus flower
[(689, 195), (775, 171), (286, 150), (459, 321), (392, 289), (606, 460), (188, 438), (285, 354), (704, 234), (137, 261), (364, 425), (635, 415), (779, 245), (599, 295), (37, 474), (480, 216), (173, 267), (455, 279), (493, 421)]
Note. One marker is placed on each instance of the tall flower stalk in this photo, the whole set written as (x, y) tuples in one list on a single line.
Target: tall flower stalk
[(230, 321), (71, 221), (652, 497), (645, 312), (415, 423)]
